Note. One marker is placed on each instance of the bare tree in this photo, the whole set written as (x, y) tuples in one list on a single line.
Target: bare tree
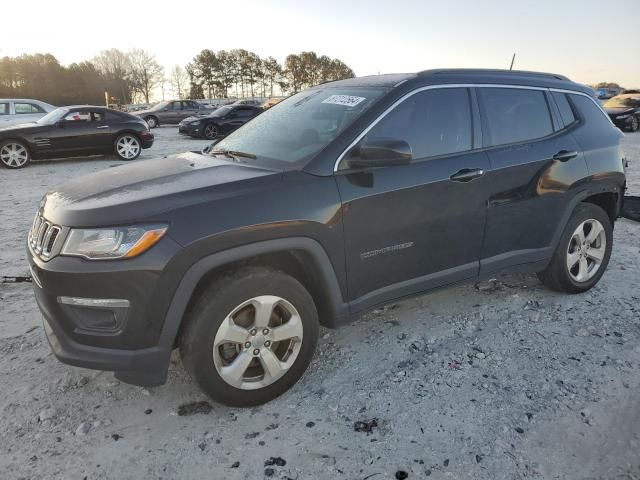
[(146, 72), (115, 65), (179, 81)]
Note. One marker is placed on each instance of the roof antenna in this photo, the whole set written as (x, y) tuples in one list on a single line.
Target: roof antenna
[(512, 60)]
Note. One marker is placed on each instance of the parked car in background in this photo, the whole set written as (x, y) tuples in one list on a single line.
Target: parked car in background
[(344, 197), (624, 111), (222, 121), (72, 132), (171, 112), (14, 111)]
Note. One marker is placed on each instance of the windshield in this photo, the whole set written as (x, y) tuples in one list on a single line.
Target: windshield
[(53, 116), (620, 102), (221, 112), (300, 126)]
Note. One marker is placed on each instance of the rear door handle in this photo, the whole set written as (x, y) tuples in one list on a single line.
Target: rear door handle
[(467, 174), (103, 126), (564, 155)]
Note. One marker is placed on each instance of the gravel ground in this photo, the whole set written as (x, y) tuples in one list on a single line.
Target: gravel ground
[(501, 380)]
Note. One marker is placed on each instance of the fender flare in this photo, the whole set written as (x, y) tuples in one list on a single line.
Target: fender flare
[(197, 271)]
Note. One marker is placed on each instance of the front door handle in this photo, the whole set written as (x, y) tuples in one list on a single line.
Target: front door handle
[(467, 174), (103, 126), (564, 155)]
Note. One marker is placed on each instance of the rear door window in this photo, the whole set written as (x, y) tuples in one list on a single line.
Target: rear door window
[(4, 109), (595, 118), (566, 112), (433, 122), (514, 115), (22, 108)]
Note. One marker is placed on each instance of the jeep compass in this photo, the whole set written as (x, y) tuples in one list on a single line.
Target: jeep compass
[(340, 198)]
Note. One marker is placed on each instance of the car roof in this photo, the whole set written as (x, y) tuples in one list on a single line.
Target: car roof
[(33, 100), (467, 76)]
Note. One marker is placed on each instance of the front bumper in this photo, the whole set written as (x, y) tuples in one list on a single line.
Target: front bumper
[(191, 130), (147, 140), (124, 337), (621, 123)]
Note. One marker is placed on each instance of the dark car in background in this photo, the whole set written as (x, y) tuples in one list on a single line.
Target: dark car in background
[(171, 112), (73, 132), (221, 122), (624, 111)]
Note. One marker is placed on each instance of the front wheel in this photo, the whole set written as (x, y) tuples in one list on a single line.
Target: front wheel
[(127, 146), (249, 336), (583, 252), (14, 154), (634, 125), (210, 131)]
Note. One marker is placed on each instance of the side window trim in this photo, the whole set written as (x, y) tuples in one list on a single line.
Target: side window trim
[(556, 121)]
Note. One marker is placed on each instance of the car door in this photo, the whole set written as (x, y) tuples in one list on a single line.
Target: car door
[(238, 117), (80, 132), (172, 113), (418, 226), (536, 167), (189, 109), (27, 112)]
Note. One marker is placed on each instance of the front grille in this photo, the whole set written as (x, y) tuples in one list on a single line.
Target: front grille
[(43, 237)]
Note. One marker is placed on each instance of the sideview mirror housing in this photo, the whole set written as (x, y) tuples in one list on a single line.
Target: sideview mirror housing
[(382, 152)]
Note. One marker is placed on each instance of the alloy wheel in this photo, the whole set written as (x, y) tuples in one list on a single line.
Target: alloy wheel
[(128, 147), (586, 250), (152, 122), (635, 124), (210, 131), (14, 155), (258, 342)]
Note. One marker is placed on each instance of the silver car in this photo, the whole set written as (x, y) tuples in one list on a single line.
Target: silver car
[(14, 111), (171, 112)]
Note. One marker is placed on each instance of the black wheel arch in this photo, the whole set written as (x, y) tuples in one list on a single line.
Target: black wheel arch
[(301, 257)]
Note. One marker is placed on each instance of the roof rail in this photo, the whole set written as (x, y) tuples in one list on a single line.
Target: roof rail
[(441, 71)]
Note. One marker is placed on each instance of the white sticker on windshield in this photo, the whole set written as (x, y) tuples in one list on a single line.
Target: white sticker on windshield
[(345, 100)]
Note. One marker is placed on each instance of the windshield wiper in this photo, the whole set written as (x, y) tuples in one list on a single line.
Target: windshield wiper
[(233, 154)]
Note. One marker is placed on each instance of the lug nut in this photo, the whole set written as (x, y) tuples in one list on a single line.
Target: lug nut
[(267, 343), (265, 331), (247, 345), (256, 352), (253, 332)]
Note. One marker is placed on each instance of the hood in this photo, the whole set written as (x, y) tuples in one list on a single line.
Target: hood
[(148, 190), (618, 110)]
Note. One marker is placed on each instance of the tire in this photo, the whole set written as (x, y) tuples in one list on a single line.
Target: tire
[(127, 146), (14, 154), (210, 131), (634, 126), (152, 121), (227, 308), (583, 275)]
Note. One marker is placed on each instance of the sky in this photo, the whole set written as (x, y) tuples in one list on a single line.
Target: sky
[(587, 40)]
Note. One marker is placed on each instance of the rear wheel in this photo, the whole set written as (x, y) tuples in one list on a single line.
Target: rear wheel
[(249, 336), (583, 253), (127, 146), (14, 154), (152, 122), (210, 131)]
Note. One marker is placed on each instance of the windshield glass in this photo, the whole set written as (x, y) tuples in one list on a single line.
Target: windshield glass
[(300, 126), (53, 116), (620, 102), (221, 112), (159, 106)]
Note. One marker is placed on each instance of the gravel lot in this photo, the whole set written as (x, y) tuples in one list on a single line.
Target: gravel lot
[(502, 380)]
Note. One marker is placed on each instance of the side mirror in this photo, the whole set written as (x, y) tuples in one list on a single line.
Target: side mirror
[(381, 152)]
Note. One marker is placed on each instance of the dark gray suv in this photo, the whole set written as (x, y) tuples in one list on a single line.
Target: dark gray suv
[(340, 198), (171, 112)]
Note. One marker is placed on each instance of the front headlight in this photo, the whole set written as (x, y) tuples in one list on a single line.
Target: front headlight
[(622, 117), (194, 122), (112, 242)]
